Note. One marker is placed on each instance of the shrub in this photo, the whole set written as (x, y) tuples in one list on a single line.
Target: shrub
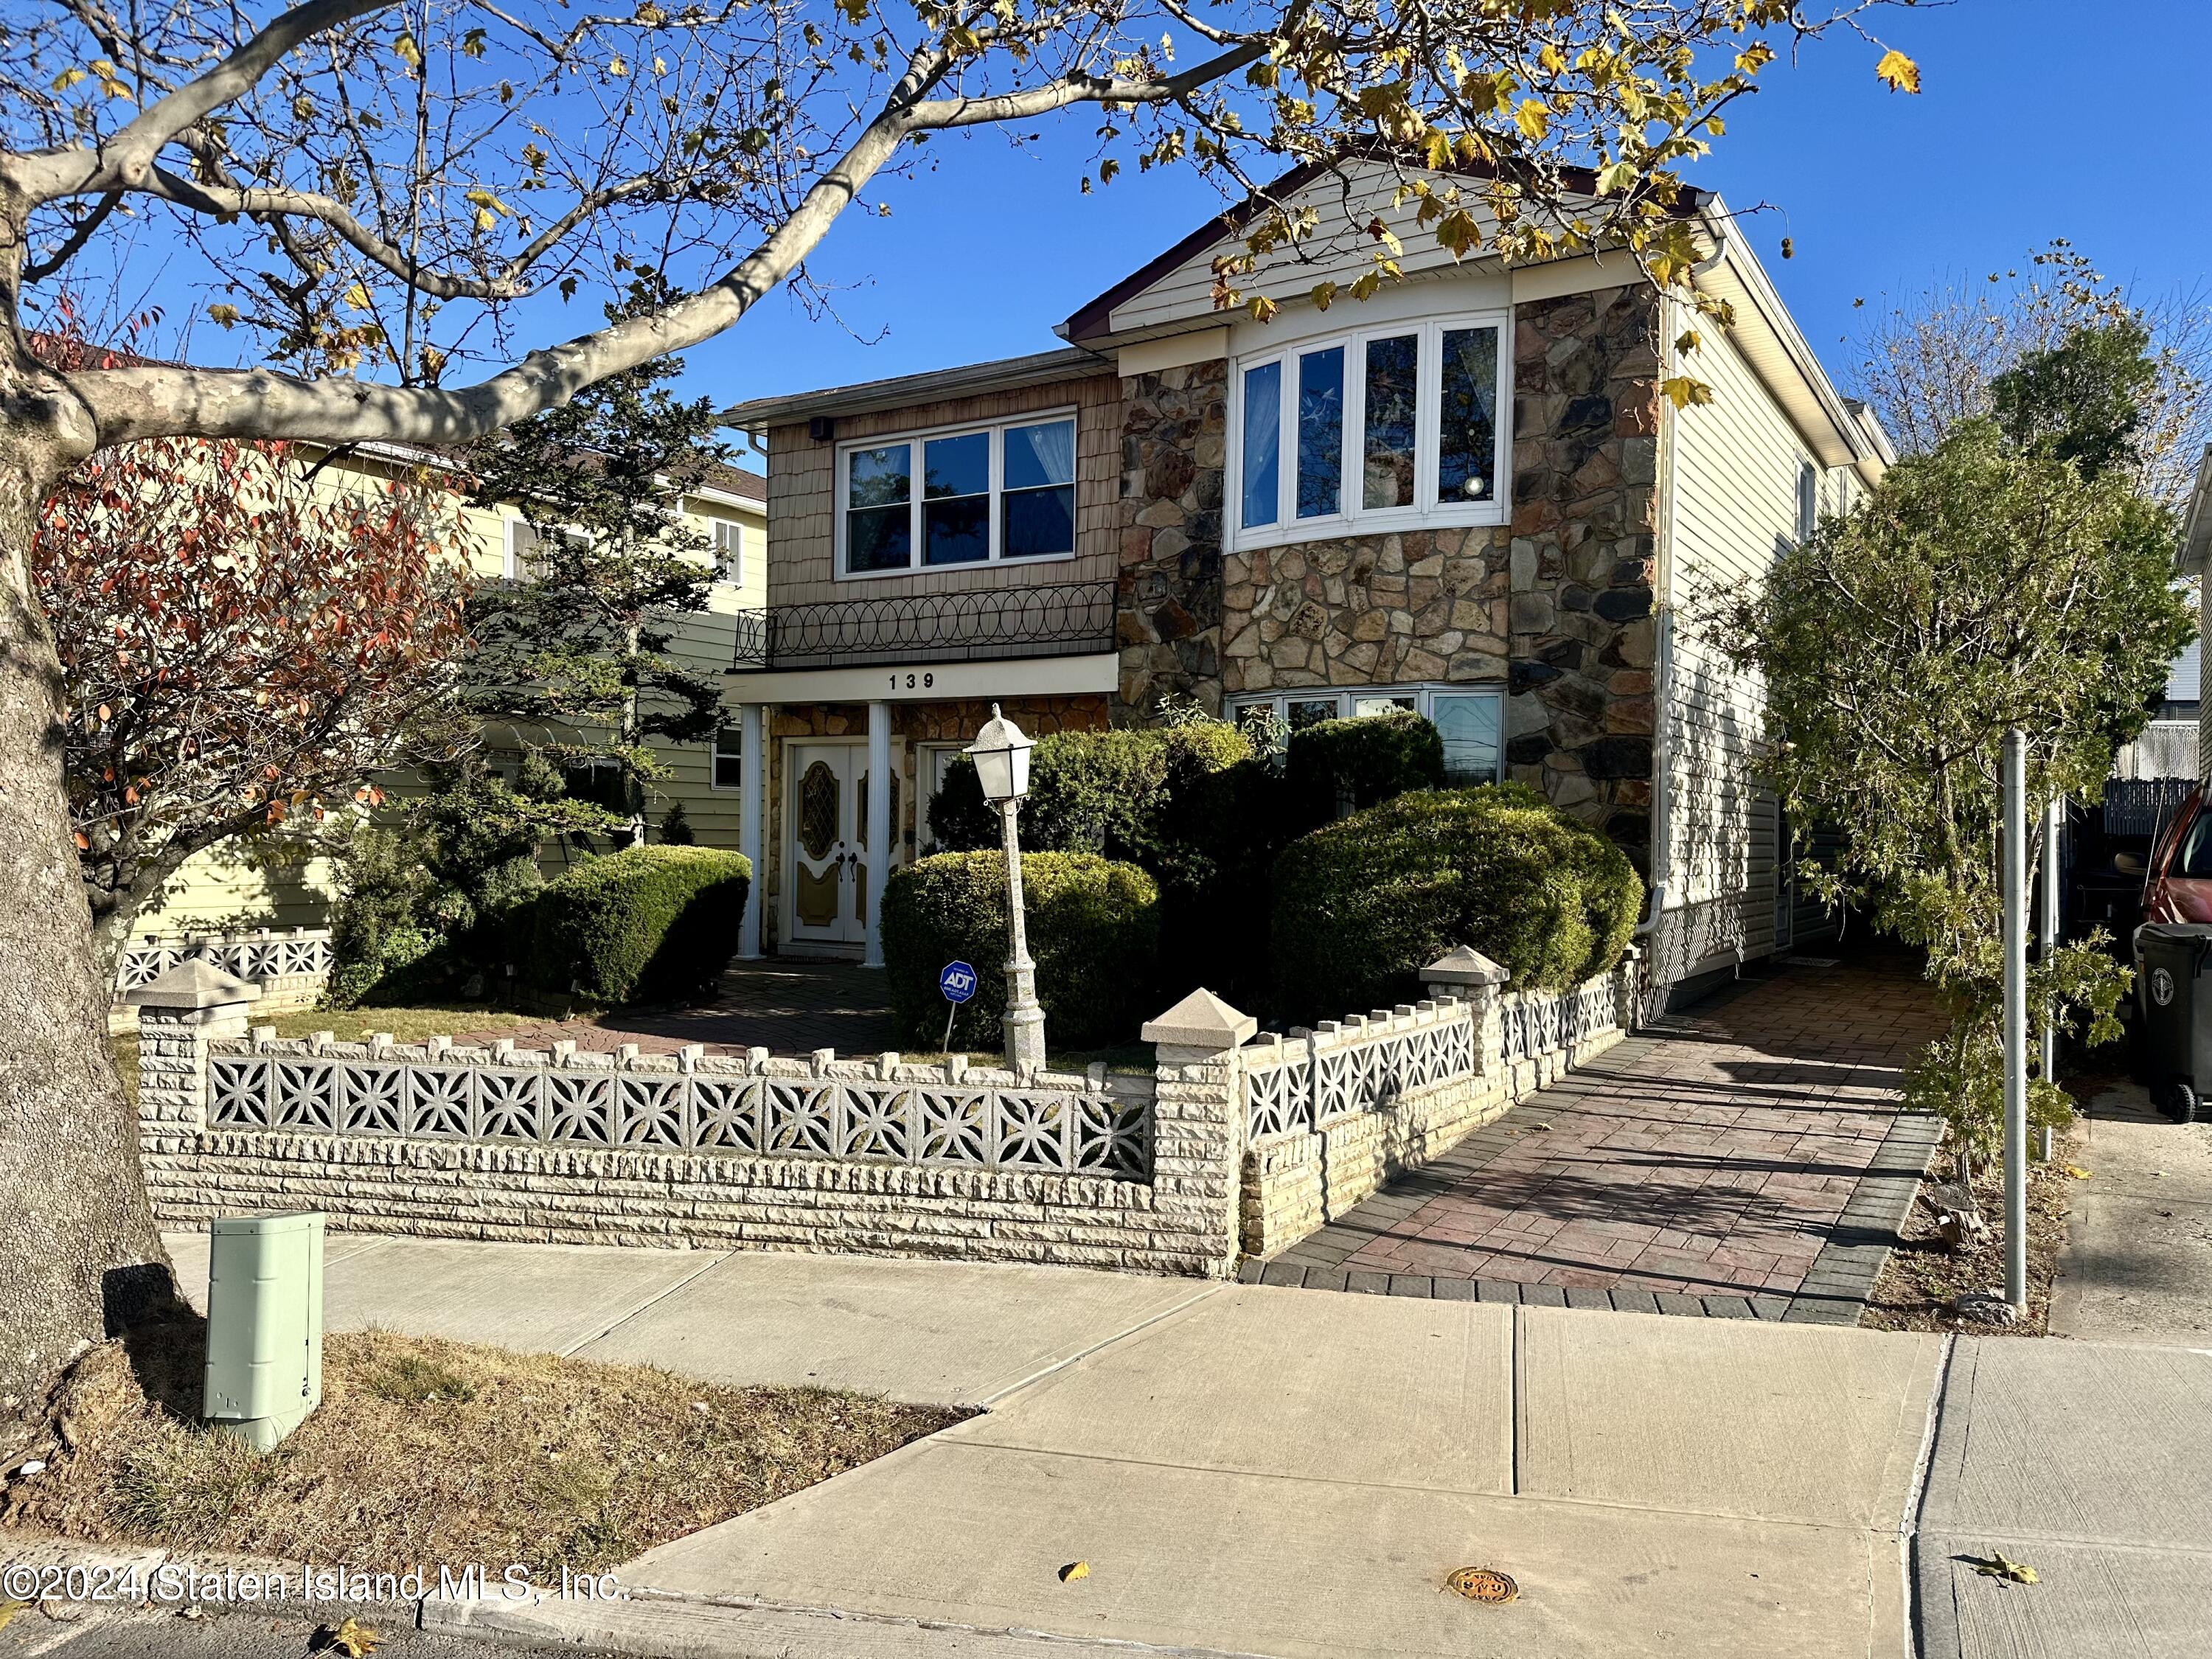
[(646, 924), (1089, 792), (1093, 927), (1362, 904), (1359, 762)]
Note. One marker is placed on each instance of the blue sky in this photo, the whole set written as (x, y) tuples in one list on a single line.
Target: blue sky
[(1880, 192)]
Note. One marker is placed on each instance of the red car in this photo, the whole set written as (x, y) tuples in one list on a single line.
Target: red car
[(2179, 885)]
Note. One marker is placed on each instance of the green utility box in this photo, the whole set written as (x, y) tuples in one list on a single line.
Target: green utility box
[(264, 1357)]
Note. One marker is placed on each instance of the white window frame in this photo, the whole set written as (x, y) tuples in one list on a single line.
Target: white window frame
[(926, 758), (841, 499), (1347, 698), (716, 754), (1809, 501), (729, 554), (1351, 519)]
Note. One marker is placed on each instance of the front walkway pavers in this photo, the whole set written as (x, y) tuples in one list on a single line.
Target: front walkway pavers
[(1747, 1158)]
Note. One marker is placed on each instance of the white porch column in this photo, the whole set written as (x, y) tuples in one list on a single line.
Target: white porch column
[(752, 789), (877, 829)]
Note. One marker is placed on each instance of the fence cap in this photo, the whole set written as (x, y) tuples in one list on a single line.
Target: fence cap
[(1465, 966), (195, 984), (1200, 1020)]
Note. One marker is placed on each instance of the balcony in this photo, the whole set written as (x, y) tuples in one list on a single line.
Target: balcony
[(1069, 619)]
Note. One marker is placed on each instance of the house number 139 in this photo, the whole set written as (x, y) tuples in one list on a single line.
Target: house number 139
[(925, 681)]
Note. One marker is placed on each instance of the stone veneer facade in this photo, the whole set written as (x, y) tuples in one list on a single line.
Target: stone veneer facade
[(1168, 590), (1586, 423), (1556, 608)]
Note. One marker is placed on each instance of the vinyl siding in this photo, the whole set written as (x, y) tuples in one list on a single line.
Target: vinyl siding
[(1732, 505), (801, 488), (1339, 251)]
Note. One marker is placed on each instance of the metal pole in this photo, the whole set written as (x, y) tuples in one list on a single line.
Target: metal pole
[(2054, 825), (2012, 840), (1024, 1020)]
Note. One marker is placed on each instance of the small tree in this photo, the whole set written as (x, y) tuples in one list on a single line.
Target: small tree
[(1931, 359), (2014, 576), (574, 651), (241, 649)]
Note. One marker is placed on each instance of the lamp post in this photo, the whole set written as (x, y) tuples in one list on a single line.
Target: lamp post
[(1001, 754)]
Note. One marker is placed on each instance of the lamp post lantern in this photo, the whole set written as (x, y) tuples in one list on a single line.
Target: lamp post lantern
[(1001, 754)]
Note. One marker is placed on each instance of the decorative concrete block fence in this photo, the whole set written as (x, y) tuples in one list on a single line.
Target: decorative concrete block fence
[(1227, 1147), (291, 967)]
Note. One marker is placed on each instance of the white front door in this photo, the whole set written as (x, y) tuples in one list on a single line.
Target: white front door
[(828, 795)]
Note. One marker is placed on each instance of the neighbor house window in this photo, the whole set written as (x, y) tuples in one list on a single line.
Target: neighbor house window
[(1382, 429), (1808, 501), (994, 494), (729, 758), (1470, 719), (729, 549)]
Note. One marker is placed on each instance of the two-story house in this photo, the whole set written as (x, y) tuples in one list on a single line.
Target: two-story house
[(1466, 496), (227, 883)]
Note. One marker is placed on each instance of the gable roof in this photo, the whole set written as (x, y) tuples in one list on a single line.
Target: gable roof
[(1094, 321), (932, 386)]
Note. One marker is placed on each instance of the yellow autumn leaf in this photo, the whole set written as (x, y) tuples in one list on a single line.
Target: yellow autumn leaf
[(1533, 120), (353, 1639), (1687, 340), (69, 77), (1682, 392), (357, 297), (406, 50), (1616, 175), (226, 315), (1073, 1571), (2076, 1172), (1262, 308), (1899, 72)]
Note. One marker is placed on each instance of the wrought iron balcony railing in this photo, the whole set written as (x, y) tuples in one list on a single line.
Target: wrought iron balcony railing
[(1064, 620)]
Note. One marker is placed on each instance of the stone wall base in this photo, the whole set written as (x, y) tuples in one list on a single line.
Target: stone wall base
[(559, 1195)]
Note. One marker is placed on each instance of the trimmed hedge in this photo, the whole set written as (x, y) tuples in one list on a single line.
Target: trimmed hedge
[(646, 924), (1364, 904), (1360, 762), (1093, 927)]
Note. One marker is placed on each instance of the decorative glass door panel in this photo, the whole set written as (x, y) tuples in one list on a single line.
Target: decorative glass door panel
[(825, 851)]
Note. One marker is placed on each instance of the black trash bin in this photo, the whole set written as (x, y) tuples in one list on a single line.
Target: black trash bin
[(2173, 995)]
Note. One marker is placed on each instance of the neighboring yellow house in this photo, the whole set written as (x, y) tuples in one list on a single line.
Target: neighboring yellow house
[(228, 886)]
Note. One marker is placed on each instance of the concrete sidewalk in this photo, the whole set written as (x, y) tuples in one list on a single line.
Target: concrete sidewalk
[(1276, 1474), (2137, 1265)]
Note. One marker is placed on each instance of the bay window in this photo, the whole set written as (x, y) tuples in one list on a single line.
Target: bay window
[(1386, 428), (981, 495)]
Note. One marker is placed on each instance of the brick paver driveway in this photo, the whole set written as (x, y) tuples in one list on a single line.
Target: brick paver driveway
[(1712, 1154)]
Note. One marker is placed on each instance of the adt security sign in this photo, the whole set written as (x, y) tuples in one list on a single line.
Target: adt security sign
[(957, 981)]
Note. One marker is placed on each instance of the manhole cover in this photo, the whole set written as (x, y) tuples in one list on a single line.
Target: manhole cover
[(1483, 1584)]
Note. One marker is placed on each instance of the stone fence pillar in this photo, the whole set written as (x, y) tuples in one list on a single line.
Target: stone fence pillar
[(1198, 1122), (1473, 977), (193, 1004), (1630, 989)]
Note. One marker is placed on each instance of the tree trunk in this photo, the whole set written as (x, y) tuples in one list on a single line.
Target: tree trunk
[(79, 1255)]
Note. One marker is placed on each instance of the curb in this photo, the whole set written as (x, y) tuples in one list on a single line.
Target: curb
[(635, 1619), (1840, 1282), (665, 1624)]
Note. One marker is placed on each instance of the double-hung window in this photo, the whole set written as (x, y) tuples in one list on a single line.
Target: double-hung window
[(990, 494), (729, 549), (728, 760), (1389, 428)]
